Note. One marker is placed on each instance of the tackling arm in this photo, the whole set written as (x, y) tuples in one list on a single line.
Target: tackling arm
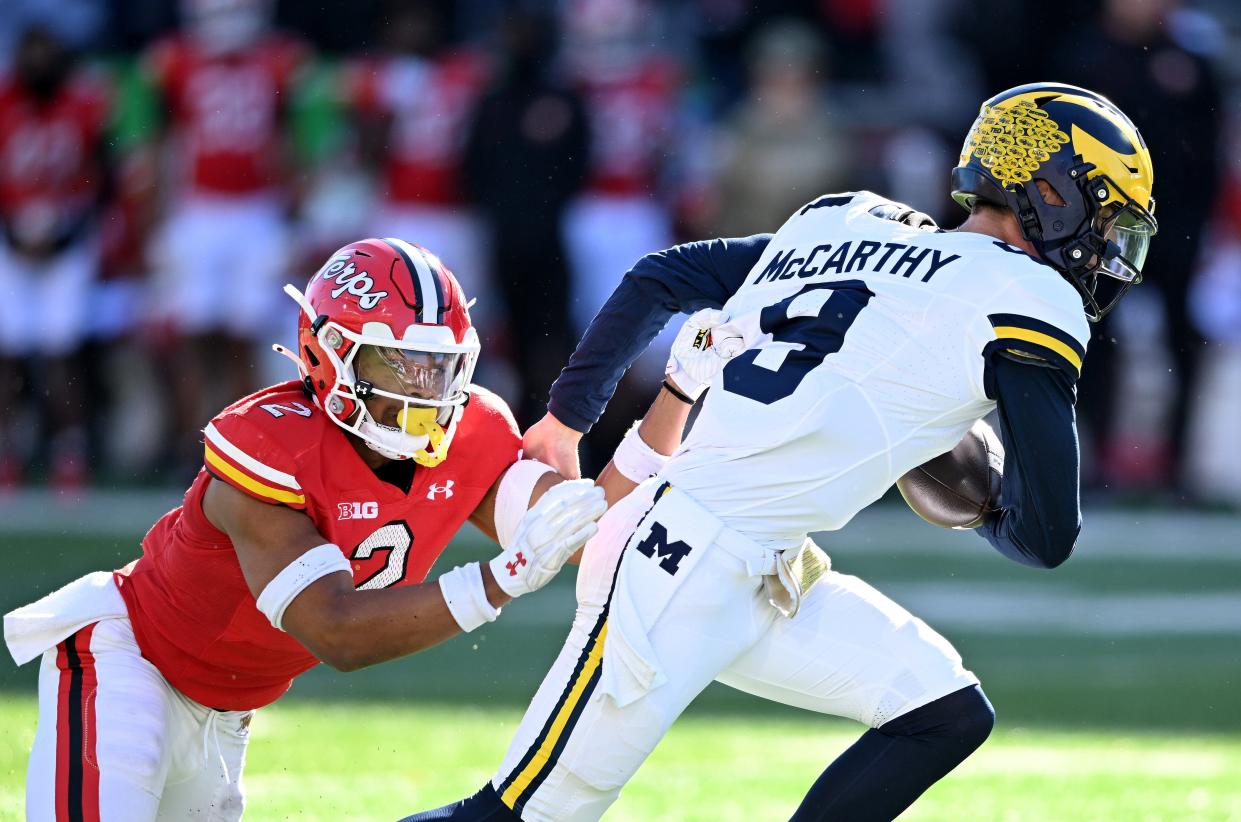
[(345, 628), (306, 589)]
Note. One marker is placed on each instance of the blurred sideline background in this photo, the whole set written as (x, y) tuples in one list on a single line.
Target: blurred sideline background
[(166, 167)]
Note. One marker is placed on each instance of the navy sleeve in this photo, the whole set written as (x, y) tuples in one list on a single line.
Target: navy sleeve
[(685, 278), (1040, 515)]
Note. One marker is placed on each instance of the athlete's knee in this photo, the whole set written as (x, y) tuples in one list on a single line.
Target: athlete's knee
[(963, 718), (977, 717)]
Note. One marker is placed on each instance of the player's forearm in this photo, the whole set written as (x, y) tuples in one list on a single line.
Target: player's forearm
[(369, 627), (661, 429), (664, 423), (1040, 517)]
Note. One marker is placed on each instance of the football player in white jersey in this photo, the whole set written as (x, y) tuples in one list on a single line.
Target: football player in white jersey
[(845, 349)]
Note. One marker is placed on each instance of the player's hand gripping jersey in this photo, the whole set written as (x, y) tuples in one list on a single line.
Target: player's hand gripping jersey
[(866, 357), (193, 614)]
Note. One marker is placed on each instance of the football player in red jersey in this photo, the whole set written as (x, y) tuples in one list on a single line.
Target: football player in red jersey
[(306, 537), (53, 173), (411, 103), (632, 93), (226, 82)]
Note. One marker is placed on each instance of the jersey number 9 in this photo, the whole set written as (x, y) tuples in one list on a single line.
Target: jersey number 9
[(815, 318)]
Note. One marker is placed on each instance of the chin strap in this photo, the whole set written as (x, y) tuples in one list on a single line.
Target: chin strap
[(389, 442)]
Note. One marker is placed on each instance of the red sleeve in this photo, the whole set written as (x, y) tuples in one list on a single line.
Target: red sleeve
[(491, 439), (253, 460)]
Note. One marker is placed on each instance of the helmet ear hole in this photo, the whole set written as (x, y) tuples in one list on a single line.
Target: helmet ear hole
[(1049, 193), (310, 357)]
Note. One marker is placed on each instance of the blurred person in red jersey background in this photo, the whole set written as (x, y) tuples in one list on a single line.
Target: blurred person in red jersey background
[(53, 181), (225, 80)]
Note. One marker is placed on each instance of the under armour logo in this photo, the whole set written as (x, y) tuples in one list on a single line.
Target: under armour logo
[(512, 566), (445, 489)]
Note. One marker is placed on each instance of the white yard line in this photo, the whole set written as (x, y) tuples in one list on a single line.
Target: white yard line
[(1016, 609), (1167, 536), (1004, 608)]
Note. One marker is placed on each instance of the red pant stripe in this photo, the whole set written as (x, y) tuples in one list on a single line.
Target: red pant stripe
[(77, 770)]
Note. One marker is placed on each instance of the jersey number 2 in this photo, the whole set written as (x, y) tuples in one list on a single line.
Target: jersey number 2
[(816, 318), (395, 538)]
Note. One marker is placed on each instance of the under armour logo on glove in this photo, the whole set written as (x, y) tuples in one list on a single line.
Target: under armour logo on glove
[(554, 527), (515, 564)]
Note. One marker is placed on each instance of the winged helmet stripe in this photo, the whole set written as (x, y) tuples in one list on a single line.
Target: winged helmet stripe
[(427, 289)]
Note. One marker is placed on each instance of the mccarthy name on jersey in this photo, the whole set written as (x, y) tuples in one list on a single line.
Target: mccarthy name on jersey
[(898, 259), (868, 345), (192, 611)]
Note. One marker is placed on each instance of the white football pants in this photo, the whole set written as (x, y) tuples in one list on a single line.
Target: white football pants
[(219, 263), (117, 743), (682, 602)]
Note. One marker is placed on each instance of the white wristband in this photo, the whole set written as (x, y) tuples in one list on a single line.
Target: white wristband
[(296, 577), (636, 460), (466, 597)]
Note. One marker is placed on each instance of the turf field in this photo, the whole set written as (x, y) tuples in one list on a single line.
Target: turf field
[(1117, 680)]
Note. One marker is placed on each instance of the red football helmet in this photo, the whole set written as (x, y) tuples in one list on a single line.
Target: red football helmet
[(385, 319)]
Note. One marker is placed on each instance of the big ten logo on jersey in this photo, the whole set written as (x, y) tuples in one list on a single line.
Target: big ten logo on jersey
[(357, 510), (349, 278)]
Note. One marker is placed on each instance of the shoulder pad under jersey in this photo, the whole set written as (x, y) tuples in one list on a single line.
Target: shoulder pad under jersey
[(1036, 313), (262, 444)]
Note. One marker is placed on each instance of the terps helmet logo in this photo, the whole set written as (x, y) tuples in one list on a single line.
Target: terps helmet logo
[(349, 279), (1013, 141)]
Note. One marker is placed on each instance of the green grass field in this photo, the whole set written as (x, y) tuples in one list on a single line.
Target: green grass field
[(1117, 681), (312, 761)]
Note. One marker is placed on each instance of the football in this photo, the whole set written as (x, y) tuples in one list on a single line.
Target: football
[(959, 488)]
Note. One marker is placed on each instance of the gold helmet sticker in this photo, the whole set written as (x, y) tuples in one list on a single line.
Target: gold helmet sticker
[(1013, 141)]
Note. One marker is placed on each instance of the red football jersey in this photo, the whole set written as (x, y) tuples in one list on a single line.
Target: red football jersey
[(429, 103), (193, 614), (48, 153), (632, 111), (226, 108)]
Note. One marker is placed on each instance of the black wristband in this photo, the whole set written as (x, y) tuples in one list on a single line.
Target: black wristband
[(678, 393)]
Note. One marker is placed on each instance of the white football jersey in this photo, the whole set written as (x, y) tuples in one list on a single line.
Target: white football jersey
[(864, 358)]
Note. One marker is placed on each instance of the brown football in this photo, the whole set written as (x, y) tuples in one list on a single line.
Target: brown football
[(957, 489)]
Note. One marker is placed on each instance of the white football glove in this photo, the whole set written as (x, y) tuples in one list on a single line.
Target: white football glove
[(557, 525), (703, 346)]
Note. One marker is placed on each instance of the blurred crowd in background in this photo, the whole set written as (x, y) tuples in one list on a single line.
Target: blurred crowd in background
[(166, 167)]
